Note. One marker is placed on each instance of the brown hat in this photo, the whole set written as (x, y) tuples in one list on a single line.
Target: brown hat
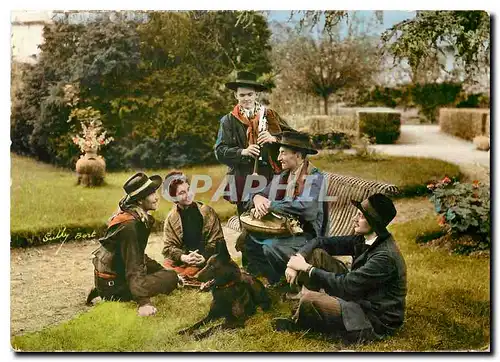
[(378, 210), (139, 186), (246, 79), (298, 141)]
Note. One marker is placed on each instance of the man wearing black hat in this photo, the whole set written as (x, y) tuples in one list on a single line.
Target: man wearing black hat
[(122, 269), (239, 141), (295, 192), (365, 303)]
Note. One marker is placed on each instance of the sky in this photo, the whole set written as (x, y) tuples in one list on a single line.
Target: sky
[(391, 17)]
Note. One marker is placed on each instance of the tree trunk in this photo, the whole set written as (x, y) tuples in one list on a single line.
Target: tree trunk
[(325, 99)]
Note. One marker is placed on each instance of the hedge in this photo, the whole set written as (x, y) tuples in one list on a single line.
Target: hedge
[(465, 123), (382, 125)]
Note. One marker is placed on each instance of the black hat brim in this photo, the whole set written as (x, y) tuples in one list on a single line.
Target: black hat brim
[(156, 182), (309, 151), (376, 226), (257, 86)]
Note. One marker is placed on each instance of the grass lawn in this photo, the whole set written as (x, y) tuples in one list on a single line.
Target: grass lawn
[(448, 308), (410, 174), (45, 198)]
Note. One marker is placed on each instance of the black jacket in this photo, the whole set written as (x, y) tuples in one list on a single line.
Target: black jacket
[(377, 280), (232, 139)]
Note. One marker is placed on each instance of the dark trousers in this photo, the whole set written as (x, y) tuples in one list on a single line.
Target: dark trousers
[(269, 256), (322, 312), (159, 282)]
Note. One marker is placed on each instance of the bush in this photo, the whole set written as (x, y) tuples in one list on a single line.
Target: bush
[(326, 124), (430, 97), (383, 126), (168, 100), (464, 209), (332, 140), (427, 97), (465, 123)]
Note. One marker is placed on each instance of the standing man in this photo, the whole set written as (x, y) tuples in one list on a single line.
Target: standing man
[(191, 231), (238, 140), (367, 302), (296, 191), (122, 269)]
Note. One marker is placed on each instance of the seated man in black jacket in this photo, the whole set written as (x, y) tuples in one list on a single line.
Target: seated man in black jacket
[(365, 303)]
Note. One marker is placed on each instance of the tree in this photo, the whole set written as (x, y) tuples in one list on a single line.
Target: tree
[(327, 20), (324, 65), (157, 81), (466, 33)]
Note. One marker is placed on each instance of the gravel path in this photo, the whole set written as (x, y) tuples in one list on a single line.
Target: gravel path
[(49, 288), (429, 141)]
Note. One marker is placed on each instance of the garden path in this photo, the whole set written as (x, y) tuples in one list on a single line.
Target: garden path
[(429, 141)]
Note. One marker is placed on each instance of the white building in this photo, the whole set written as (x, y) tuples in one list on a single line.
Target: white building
[(27, 33)]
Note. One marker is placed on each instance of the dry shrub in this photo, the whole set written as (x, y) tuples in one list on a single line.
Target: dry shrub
[(321, 124), (91, 170), (482, 143), (465, 123)]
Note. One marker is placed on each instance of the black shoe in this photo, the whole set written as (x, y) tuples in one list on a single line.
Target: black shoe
[(284, 325)]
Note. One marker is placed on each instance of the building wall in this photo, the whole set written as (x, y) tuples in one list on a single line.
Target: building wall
[(27, 33)]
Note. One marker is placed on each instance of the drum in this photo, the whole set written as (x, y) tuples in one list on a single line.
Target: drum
[(270, 224)]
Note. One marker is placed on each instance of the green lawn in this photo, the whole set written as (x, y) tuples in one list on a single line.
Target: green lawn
[(448, 308), (45, 198), (410, 174)]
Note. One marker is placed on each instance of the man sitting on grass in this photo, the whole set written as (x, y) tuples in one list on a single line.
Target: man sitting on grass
[(191, 230), (364, 304), (122, 269)]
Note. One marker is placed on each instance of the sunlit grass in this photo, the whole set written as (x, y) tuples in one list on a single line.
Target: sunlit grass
[(448, 308)]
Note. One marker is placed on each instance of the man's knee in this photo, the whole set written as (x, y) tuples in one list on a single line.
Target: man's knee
[(168, 280), (269, 250), (321, 259), (317, 254)]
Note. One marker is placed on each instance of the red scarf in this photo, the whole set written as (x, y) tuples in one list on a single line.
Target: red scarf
[(253, 130), (299, 185)]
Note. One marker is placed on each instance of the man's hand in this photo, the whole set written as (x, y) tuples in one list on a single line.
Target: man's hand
[(298, 263), (193, 258), (200, 259), (146, 310), (291, 275), (265, 137), (252, 151), (262, 205)]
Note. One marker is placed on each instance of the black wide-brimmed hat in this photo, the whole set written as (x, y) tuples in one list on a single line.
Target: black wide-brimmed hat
[(139, 186), (246, 79), (378, 210), (298, 141)]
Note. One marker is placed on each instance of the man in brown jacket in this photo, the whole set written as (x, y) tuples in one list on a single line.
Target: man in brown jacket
[(122, 269), (191, 231)]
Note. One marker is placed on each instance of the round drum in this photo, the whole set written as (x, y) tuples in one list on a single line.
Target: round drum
[(271, 224)]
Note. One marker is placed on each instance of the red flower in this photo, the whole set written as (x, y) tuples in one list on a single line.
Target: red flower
[(446, 180), (431, 186), (101, 142), (475, 184), (441, 220)]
